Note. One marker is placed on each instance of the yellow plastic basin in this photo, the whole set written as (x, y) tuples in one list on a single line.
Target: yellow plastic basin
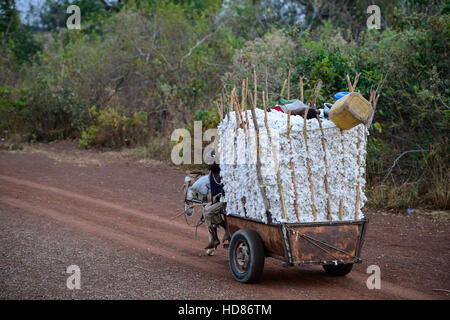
[(350, 110)]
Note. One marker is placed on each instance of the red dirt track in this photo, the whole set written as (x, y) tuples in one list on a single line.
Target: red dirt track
[(114, 220)]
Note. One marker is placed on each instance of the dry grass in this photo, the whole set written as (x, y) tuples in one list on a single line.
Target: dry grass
[(157, 148), (437, 216), (431, 194), (67, 152), (14, 142)]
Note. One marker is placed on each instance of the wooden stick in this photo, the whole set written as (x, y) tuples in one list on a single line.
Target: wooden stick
[(266, 123), (267, 86), (221, 105), (316, 92), (341, 204), (219, 111), (378, 97), (275, 160), (288, 127), (301, 89), (246, 119), (375, 96), (350, 87), (224, 101), (238, 111), (245, 102), (289, 84), (265, 113), (242, 94), (284, 86), (326, 170), (237, 108), (358, 191), (291, 164), (305, 135), (356, 81), (246, 91), (231, 102), (243, 107), (258, 162), (280, 190), (255, 101)]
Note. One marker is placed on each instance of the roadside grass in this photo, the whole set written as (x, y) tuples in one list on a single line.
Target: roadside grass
[(434, 193), (13, 143), (157, 148)]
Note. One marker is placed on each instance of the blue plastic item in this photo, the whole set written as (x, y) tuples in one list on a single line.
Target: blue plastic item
[(339, 95)]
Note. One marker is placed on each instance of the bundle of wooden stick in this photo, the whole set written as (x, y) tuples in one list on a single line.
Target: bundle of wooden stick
[(276, 167)]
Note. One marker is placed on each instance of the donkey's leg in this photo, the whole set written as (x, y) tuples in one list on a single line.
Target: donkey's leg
[(210, 251), (226, 236)]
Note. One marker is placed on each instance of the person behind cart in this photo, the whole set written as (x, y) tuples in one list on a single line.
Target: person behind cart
[(212, 213)]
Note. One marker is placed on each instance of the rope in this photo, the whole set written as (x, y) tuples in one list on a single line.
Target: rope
[(199, 223)]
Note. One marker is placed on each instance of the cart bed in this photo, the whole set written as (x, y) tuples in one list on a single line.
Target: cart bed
[(307, 243)]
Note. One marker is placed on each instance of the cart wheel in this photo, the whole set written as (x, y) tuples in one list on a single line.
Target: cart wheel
[(246, 256), (340, 270)]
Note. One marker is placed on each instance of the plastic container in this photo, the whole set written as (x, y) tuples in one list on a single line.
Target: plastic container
[(339, 95), (350, 110), (297, 104)]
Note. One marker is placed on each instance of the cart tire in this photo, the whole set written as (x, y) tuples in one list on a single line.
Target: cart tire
[(340, 270), (246, 256)]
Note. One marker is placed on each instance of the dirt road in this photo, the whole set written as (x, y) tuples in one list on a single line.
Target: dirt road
[(113, 220)]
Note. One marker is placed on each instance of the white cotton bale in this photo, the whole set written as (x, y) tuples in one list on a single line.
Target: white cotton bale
[(239, 171)]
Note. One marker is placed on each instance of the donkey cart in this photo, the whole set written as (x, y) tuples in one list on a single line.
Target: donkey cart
[(336, 245)]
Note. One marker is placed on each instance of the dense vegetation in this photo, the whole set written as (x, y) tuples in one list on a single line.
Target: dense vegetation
[(138, 69)]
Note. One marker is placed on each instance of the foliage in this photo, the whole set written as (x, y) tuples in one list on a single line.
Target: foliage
[(112, 128), (274, 51), (37, 113), (17, 41)]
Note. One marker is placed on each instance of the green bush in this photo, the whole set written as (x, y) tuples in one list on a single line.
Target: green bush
[(274, 51), (209, 118), (113, 128), (37, 113)]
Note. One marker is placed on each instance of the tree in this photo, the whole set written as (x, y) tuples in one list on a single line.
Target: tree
[(16, 38)]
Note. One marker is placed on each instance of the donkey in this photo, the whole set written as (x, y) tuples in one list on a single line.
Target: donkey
[(199, 192)]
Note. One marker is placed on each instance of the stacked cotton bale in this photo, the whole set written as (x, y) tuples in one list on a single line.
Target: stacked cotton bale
[(345, 155)]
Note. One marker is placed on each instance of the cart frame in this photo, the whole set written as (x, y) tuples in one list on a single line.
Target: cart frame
[(323, 243)]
